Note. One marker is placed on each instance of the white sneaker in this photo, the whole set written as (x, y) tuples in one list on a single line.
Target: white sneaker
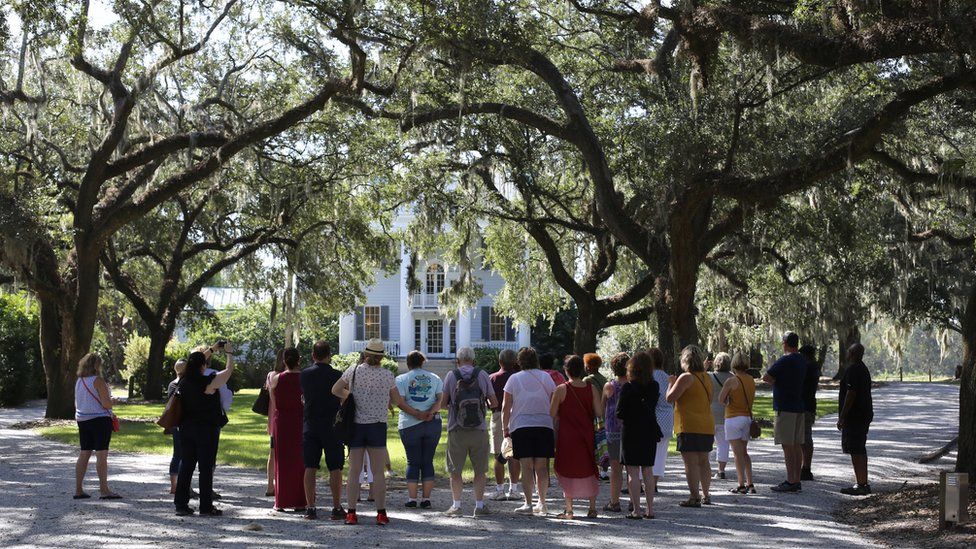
[(499, 496), (525, 509), (540, 509), (454, 512), (481, 511), (514, 495)]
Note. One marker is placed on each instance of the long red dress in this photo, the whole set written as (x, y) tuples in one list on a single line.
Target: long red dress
[(575, 458), (287, 428)]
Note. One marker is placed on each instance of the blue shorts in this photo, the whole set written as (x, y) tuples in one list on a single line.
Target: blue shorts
[(316, 442), (368, 435)]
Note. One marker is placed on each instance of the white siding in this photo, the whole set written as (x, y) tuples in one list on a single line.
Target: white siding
[(492, 284)]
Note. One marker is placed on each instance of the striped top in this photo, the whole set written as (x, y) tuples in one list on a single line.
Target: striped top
[(738, 406), (87, 405), (693, 409), (610, 414), (664, 411)]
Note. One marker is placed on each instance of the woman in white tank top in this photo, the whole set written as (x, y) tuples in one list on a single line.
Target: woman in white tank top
[(93, 412)]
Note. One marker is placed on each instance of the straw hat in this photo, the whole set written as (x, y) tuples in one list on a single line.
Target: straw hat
[(375, 347)]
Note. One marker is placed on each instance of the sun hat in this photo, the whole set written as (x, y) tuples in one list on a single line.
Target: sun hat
[(375, 347)]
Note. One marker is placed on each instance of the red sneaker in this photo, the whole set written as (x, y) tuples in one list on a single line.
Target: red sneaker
[(351, 517), (381, 518)]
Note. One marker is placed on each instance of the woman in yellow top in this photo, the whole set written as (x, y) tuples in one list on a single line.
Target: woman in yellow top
[(691, 394), (738, 394)]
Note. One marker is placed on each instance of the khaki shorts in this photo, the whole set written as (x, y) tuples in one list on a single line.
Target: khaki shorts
[(497, 432), (808, 420), (462, 443), (788, 428)]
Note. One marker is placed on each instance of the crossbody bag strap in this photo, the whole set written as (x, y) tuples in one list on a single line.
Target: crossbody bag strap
[(708, 394), (98, 400), (746, 396), (569, 387)]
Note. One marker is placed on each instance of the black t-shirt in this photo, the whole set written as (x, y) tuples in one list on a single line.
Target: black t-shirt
[(857, 379), (197, 406), (810, 384), (320, 404)]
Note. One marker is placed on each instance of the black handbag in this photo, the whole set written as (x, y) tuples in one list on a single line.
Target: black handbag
[(262, 404), (346, 415)]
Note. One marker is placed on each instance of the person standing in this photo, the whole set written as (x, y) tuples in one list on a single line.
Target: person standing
[(200, 426), (419, 425), (287, 430), (593, 363), (466, 389), (738, 395), (373, 387), (525, 413), (547, 363), (786, 375), (691, 394), (611, 396), (576, 404), (640, 431), (226, 395), (318, 437), (664, 412), (507, 366), (810, 384), (722, 365), (174, 462), (856, 415), (278, 368), (93, 412)]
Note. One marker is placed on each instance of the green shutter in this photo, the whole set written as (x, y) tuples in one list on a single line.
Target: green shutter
[(360, 324), (486, 324)]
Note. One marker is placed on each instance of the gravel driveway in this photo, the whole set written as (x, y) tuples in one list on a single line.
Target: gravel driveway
[(37, 480)]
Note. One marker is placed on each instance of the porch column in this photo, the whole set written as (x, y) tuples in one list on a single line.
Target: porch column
[(524, 334), (406, 311), (464, 328), (347, 332)]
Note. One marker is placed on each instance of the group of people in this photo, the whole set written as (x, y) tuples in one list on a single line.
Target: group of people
[(536, 415)]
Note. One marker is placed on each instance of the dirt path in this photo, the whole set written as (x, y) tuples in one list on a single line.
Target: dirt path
[(36, 509)]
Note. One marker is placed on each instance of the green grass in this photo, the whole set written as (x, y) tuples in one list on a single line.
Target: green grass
[(912, 376), (244, 441)]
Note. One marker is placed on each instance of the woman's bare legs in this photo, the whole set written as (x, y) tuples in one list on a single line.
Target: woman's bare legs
[(355, 469), (81, 467)]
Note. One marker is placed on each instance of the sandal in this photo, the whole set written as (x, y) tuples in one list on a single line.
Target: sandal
[(269, 494), (738, 490), (565, 516), (691, 502), (612, 507), (750, 489), (110, 496), (635, 516), (86, 496), (591, 514), (706, 500), (649, 516)]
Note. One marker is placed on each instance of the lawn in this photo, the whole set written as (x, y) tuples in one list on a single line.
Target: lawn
[(244, 441)]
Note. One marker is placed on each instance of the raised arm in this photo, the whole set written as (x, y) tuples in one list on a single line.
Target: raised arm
[(341, 389), (679, 387), (223, 376), (730, 385)]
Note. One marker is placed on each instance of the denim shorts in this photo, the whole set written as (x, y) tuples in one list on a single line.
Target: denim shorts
[(368, 435)]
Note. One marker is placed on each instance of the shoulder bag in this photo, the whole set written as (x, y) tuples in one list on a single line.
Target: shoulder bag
[(172, 414), (755, 430), (262, 404), (345, 417)]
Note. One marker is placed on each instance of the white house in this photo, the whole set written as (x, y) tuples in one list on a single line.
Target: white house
[(407, 323)]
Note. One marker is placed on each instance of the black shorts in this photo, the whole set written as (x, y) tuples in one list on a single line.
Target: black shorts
[(95, 434), (853, 440), (316, 442), (533, 442), (695, 442)]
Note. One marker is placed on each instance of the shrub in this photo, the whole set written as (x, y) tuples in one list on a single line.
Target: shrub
[(486, 358), (21, 372), (348, 360), (136, 363)]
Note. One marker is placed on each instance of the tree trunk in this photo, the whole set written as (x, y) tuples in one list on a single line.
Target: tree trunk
[(665, 333), (846, 336), (966, 456), (587, 330), (61, 350), (159, 337)]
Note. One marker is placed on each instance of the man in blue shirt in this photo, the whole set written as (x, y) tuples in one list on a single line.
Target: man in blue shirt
[(317, 435), (786, 376)]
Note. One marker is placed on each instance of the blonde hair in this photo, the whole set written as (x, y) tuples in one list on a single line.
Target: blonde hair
[(740, 361), (692, 359), (89, 365), (180, 367)]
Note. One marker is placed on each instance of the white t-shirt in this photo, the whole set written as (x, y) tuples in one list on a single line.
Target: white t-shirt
[(371, 390), (531, 392)]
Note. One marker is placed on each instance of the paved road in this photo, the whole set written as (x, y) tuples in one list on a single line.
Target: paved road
[(36, 509)]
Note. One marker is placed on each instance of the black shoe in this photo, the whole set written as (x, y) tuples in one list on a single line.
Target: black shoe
[(184, 511), (338, 513), (412, 504), (311, 513), (425, 504), (194, 494), (788, 487), (213, 512), (806, 474), (214, 495), (857, 490)]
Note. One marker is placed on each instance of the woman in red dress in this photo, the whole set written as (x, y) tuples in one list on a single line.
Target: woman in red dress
[(287, 431), (576, 404)]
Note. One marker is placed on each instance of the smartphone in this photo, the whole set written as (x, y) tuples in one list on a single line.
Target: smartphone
[(221, 343)]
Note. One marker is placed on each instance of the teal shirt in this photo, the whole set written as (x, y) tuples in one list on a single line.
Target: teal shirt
[(420, 389)]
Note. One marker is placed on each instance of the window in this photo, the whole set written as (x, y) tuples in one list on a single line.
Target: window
[(497, 326), (416, 334), (453, 337), (435, 279), (435, 337), (371, 322)]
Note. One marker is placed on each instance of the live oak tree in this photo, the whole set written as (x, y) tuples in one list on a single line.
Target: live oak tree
[(80, 161)]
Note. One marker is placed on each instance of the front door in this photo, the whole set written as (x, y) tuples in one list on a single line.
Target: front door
[(434, 340)]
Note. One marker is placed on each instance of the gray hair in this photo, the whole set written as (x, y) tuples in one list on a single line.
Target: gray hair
[(723, 362), (508, 357), (740, 362), (692, 359), (465, 355)]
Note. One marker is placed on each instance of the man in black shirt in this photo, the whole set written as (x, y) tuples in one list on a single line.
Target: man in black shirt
[(317, 436), (810, 384), (856, 414)]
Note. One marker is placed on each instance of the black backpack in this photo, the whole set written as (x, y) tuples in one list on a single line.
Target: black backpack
[(468, 400)]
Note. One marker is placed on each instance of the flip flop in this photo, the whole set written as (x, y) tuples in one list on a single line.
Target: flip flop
[(110, 496), (592, 514), (564, 516), (82, 496), (649, 517)]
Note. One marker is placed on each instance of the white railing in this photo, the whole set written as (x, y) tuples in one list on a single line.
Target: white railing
[(425, 301), (500, 345), (392, 347)]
